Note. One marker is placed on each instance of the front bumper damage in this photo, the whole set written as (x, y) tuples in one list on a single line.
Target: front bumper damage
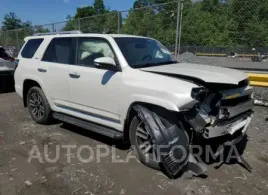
[(229, 127), (220, 117), (223, 118)]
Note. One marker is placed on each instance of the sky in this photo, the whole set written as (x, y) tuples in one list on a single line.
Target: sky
[(49, 11)]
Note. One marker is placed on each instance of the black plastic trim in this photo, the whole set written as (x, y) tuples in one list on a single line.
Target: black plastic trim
[(106, 131)]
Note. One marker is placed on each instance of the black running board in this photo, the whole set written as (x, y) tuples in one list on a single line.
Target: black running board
[(106, 131)]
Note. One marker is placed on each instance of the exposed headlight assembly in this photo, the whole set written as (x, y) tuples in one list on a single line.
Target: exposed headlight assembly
[(199, 93)]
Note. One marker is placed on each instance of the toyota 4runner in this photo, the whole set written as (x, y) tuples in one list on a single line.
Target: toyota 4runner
[(132, 88)]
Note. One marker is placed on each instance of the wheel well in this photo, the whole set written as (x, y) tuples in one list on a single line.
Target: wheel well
[(131, 113), (27, 85)]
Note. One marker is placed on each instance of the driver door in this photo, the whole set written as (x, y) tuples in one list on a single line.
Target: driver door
[(94, 92)]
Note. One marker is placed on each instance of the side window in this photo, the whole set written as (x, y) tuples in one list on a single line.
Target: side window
[(31, 47), (91, 48), (60, 50)]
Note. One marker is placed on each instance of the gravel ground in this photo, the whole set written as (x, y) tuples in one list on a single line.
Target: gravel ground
[(18, 135), (261, 93)]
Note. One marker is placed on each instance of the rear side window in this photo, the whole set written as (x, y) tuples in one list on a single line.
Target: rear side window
[(60, 50), (31, 47)]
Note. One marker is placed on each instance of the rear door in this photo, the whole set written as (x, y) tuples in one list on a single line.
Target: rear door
[(55, 66)]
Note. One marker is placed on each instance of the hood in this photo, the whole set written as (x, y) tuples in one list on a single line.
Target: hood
[(203, 73)]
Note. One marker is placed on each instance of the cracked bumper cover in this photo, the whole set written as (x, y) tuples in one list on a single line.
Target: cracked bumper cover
[(230, 127), (230, 120)]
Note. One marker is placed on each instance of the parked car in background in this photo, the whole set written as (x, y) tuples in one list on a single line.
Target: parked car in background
[(5, 54)]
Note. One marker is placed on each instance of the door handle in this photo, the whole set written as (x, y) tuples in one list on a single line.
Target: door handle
[(74, 75), (42, 70)]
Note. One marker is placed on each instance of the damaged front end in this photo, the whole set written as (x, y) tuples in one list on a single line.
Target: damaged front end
[(223, 115), (218, 114)]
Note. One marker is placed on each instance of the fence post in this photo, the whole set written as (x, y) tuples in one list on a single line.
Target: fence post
[(181, 12), (18, 44), (118, 22), (178, 29), (79, 27), (5, 37), (53, 28)]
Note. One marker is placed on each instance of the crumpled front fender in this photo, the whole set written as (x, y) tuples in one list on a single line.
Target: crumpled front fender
[(170, 143)]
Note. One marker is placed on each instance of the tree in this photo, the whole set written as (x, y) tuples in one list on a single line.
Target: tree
[(212, 23), (40, 29), (17, 29), (82, 12), (250, 28), (11, 22), (93, 19), (210, 5), (99, 7)]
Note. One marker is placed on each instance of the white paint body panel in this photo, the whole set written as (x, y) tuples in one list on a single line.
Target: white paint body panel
[(206, 73)]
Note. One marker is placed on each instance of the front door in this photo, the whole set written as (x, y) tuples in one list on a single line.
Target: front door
[(95, 92)]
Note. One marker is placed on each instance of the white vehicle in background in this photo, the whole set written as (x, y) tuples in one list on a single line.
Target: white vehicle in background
[(233, 55), (132, 88)]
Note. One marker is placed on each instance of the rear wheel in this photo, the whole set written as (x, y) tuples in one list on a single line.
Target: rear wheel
[(38, 106)]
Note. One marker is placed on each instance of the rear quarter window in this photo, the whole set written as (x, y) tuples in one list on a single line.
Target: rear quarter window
[(31, 47)]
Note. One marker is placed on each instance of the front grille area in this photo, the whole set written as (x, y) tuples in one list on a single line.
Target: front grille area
[(235, 101)]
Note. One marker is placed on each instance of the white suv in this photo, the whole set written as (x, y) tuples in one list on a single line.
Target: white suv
[(132, 88)]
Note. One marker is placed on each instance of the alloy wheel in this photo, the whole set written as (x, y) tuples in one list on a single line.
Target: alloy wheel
[(144, 142), (36, 105)]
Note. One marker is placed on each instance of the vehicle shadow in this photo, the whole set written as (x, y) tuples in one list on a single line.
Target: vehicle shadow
[(6, 84), (95, 136), (230, 154)]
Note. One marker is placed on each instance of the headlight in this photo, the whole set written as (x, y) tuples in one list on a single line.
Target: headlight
[(199, 94)]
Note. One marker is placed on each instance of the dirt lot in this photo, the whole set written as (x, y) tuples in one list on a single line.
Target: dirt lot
[(18, 134)]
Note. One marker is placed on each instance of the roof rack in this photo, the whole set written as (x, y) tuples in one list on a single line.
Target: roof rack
[(59, 33)]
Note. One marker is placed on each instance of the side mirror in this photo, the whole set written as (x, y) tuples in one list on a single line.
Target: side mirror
[(105, 63)]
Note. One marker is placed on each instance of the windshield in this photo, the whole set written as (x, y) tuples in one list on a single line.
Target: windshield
[(143, 52)]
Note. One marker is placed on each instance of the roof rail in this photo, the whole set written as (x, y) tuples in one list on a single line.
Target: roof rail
[(59, 33)]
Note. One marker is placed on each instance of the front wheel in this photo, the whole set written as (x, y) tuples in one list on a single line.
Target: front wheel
[(141, 143), (141, 140), (38, 106)]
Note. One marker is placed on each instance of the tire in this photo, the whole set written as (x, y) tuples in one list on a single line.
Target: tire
[(38, 106), (166, 118), (134, 144)]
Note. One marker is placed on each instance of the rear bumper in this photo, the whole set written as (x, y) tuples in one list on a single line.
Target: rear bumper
[(229, 127)]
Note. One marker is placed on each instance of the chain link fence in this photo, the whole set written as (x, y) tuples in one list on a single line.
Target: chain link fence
[(224, 27), (202, 27)]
